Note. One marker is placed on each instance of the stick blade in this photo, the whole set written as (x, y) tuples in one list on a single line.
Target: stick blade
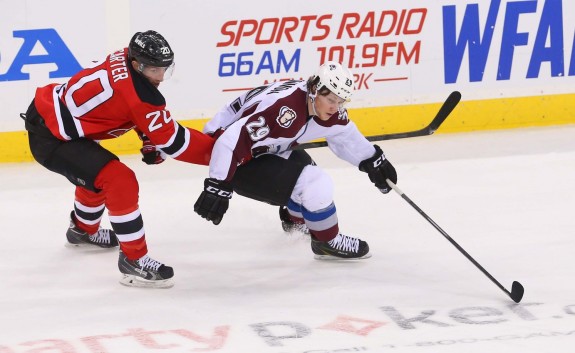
[(517, 291), (450, 103)]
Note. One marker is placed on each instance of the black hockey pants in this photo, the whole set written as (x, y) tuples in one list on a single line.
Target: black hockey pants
[(270, 178)]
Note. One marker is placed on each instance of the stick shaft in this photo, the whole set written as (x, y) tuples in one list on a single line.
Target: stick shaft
[(444, 233), (446, 109)]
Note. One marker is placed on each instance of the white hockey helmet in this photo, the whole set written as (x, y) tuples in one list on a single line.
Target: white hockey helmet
[(336, 78)]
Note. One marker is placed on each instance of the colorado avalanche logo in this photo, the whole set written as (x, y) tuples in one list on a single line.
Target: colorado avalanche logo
[(286, 117)]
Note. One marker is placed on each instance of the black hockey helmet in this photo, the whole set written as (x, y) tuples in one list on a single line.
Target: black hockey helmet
[(150, 48)]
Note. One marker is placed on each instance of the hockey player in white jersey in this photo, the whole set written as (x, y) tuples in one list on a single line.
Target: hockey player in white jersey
[(253, 156)]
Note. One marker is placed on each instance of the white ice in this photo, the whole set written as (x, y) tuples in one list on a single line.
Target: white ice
[(507, 197)]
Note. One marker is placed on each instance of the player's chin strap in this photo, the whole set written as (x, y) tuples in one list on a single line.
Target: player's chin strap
[(312, 97)]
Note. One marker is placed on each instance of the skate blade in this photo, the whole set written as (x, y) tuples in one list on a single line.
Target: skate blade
[(340, 259), (89, 246), (139, 282), (295, 230)]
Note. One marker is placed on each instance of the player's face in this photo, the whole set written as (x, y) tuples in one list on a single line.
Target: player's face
[(154, 74), (326, 106)]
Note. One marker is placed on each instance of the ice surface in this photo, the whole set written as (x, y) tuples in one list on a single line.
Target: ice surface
[(507, 197)]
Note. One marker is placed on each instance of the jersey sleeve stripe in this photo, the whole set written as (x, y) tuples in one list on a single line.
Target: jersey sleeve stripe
[(68, 126), (177, 143)]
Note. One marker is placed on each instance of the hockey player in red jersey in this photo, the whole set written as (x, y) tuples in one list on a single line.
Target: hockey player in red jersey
[(253, 156), (65, 123)]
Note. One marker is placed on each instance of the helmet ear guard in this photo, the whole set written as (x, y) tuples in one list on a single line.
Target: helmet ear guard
[(338, 79), (150, 48)]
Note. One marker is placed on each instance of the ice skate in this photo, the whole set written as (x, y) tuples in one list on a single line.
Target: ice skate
[(145, 272), (103, 238), (342, 247), (290, 226)]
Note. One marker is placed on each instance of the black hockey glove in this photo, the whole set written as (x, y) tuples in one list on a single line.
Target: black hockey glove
[(379, 169), (150, 153), (213, 202)]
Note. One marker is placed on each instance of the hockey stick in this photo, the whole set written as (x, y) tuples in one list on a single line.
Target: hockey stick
[(446, 109), (516, 289)]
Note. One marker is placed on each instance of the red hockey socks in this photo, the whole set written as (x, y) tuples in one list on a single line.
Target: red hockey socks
[(120, 188)]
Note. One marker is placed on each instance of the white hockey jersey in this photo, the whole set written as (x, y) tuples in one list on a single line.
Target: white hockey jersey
[(274, 119)]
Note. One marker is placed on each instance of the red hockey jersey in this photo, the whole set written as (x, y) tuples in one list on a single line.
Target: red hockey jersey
[(109, 99)]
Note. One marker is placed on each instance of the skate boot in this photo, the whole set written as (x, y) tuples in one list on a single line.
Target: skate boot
[(290, 226), (145, 272), (342, 247), (103, 238)]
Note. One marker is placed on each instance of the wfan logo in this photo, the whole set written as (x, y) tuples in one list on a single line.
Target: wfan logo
[(56, 52), (496, 31)]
